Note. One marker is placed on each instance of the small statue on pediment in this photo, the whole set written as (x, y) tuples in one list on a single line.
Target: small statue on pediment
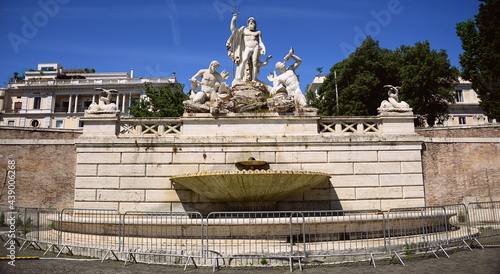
[(392, 104), (105, 105)]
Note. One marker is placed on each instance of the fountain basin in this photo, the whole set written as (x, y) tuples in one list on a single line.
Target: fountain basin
[(323, 228), (250, 185)]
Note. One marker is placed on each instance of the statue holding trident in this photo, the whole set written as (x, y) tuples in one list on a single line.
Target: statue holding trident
[(245, 47)]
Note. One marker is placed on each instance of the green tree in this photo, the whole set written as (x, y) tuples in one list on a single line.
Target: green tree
[(360, 80), (16, 77), (325, 98), (165, 101), (425, 76), (428, 80), (480, 60)]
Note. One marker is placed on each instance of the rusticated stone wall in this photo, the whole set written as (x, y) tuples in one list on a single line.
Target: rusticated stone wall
[(369, 170)]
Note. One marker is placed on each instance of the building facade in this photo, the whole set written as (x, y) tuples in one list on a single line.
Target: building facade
[(464, 111), (316, 83), (52, 97)]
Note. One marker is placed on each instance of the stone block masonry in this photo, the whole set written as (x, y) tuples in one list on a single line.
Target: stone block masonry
[(369, 171)]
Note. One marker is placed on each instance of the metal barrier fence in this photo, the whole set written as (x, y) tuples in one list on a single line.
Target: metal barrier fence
[(157, 237), (459, 230), (97, 229), (255, 238), (344, 233), (485, 218), (419, 228), (37, 226), (249, 238)]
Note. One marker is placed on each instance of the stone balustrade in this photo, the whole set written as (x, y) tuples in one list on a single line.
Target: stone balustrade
[(71, 82), (347, 125), (268, 124), (149, 127)]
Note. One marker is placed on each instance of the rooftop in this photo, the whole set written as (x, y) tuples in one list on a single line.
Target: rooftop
[(53, 74)]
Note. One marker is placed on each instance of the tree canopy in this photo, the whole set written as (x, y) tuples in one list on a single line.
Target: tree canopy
[(426, 78), (160, 102), (16, 77), (480, 60)]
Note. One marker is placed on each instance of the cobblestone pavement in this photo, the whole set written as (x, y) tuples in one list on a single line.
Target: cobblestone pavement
[(461, 261)]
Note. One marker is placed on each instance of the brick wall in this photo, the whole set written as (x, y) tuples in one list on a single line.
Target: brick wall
[(492, 131), (38, 133), (461, 164), (45, 163)]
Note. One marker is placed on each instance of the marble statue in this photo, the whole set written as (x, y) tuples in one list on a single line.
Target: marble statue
[(104, 105), (245, 47), (288, 80), (210, 81), (214, 91), (261, 64), (393, 103), (247, 93)]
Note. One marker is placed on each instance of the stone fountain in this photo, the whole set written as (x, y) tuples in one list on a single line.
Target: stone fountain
[(252, 186), (324, 164), (319, 163)]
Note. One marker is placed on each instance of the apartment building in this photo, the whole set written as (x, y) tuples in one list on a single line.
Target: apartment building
[(54, 97), (464, 111)]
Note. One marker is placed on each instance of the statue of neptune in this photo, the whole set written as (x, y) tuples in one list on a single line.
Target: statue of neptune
[(245, 47)]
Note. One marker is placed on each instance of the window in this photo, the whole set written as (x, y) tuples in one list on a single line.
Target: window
[(462, 120), (59, 123), (35, 123), (459, 96), (80, 123), (18, 105), (37, 103), (11, 123)]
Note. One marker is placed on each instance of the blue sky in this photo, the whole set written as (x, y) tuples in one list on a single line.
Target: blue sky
[(158, 37)]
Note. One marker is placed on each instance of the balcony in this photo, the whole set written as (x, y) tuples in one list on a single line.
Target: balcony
[(100, 82), (65, 109), (11, 111)]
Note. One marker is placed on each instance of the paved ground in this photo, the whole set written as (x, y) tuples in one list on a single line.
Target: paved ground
[(462, 261)]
